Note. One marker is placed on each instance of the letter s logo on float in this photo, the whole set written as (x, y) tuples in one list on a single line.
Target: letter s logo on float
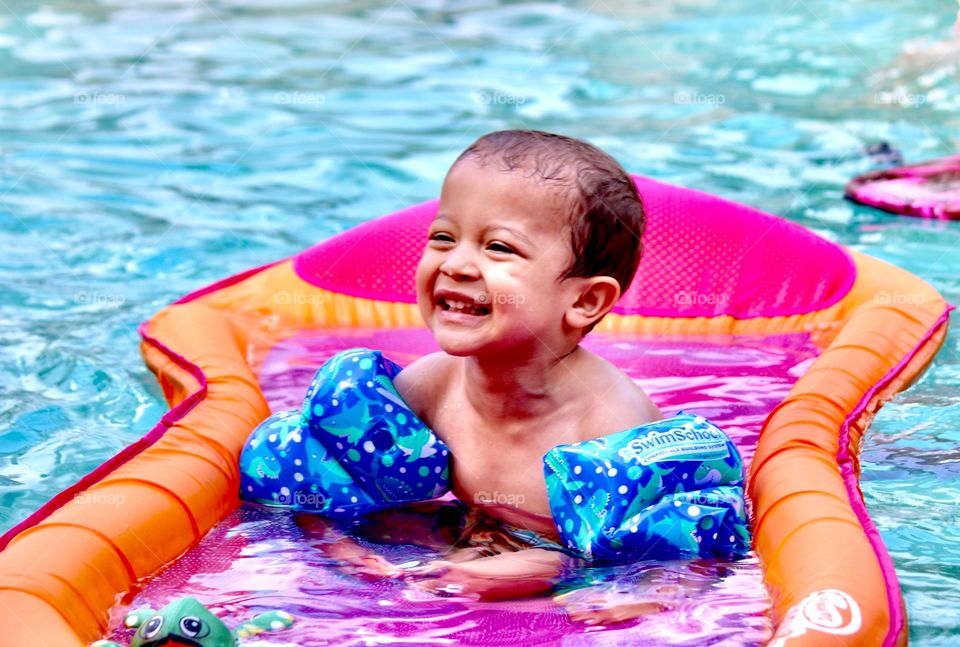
[(830, 611)]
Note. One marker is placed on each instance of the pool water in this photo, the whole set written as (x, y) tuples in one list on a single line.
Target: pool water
[(147, 149), (256, 560)]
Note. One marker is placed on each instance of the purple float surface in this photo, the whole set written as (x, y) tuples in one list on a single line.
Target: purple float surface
[(257, 559)]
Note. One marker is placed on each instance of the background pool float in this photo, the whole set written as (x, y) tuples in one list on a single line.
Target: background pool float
[(710, 267), (926, 190)]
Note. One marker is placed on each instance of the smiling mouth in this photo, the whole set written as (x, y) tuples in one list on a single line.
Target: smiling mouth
[(462, 307)]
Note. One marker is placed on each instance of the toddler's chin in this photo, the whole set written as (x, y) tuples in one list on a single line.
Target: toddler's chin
[(486, 350), (455, 347)]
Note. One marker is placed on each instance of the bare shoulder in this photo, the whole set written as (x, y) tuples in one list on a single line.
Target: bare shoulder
[(421, 383), (617, 403)]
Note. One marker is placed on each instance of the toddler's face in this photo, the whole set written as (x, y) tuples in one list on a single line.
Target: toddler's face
[(488, 279)]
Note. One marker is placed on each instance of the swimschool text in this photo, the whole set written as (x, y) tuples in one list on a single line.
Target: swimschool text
[(690, 444)]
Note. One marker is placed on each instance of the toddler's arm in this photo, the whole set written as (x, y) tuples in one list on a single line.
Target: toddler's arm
[(418, 524), (507, 575)]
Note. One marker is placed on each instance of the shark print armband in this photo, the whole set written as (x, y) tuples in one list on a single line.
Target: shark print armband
[(668, 489), (354, 447)]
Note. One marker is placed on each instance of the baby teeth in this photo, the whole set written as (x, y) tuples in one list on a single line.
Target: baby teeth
[(460, 306)]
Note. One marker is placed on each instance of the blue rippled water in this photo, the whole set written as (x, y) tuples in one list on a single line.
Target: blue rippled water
[(149, 148)]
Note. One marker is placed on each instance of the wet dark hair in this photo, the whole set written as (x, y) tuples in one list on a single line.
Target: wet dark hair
[(606, 215)]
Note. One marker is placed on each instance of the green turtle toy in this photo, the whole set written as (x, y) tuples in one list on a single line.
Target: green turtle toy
[(187, 622)]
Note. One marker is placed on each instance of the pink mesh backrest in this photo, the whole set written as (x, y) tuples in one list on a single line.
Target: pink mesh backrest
[(703, 256)]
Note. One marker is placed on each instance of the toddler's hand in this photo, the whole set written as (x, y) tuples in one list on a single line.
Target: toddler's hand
[(430, 568), (596, 606), (357, 560), (438, 576), (508, 575), (376, 566)]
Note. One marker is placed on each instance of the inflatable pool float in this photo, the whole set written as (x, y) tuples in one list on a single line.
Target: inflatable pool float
[(926, 190), (711, 268)]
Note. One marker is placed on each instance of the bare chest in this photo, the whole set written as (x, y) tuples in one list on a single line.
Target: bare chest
[(492, 466)]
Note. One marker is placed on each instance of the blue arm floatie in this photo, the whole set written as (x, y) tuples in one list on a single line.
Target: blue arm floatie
[(668, 489), (354, 448)]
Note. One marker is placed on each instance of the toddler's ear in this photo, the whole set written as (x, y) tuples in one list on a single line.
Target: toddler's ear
[(595, 296)]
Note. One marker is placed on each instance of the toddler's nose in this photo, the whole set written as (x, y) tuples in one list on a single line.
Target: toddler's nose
[(460, 264)]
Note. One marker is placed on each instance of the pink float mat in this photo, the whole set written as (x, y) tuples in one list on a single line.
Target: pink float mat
[(926, 190), (703, 257), (258, 559)]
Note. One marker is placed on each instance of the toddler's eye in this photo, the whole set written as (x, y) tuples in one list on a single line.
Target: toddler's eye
[(442, 237), (500, 247)]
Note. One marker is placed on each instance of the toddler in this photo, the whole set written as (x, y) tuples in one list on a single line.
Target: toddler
[(535, 239)]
